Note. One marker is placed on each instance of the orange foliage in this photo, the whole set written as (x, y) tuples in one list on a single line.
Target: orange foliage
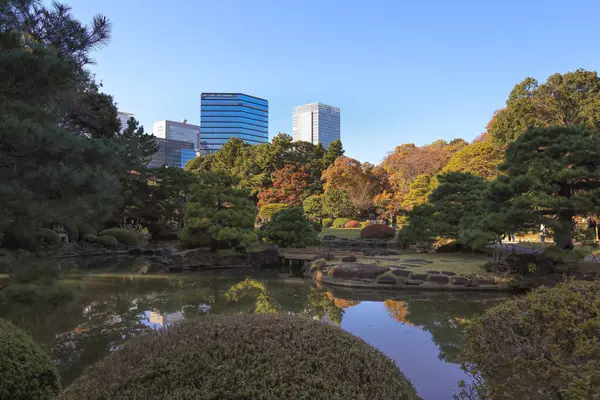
[(397, 310), (342, 303)]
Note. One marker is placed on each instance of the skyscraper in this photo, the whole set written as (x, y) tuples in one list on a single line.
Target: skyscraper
[(123, 119), (181, 131), (316, 122), (172, 153), (227, 115)]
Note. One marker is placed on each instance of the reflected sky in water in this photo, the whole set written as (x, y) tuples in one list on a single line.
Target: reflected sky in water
[(420, 331)]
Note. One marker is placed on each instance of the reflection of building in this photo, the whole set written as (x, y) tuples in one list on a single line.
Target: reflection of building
[(232, 115), (164, 319), (172, 153), (316, 122), (180, 131), (123, 118)]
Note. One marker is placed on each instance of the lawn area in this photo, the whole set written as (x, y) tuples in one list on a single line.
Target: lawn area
[(347, 233)]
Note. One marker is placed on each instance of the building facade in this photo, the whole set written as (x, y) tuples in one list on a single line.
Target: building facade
[(179, 131), (232, 115), (316, 122), (172, 153), (123, 119)]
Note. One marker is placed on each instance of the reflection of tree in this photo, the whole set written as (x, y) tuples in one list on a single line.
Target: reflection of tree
[(398, 310), (264, 302), (320, 304), (342, 303)]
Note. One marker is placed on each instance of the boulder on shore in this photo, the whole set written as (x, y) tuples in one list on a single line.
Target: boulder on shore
[(357, 271)]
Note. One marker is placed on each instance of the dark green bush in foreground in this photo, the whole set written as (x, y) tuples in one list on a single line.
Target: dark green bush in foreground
[(290, 228), (106, 241), (26, 372), (124, 236), (244, 357), (544, 345)]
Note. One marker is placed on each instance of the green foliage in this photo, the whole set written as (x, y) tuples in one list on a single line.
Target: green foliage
[(106, 241), (544, 343), (456, 197), (86, 229), (566, 99), (194, 238), (313, 206), (316, 226), (216, 357), (420, 190), (26, 370), (559, 255), (265, 303), (217, 207), (124, 236), (334, 150), (71, 229), (327, 222), (290, 228), (336, 203), (549, 176), (47, 237), (480, 159), (267, 211), (340, 222)]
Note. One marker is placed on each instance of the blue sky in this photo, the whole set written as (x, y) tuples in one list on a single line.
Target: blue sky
[(400, 71)]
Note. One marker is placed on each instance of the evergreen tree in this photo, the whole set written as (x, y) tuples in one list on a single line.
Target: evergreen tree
[(336, 203), (334, 150), (420, 190), (215, 206), (290, 228)]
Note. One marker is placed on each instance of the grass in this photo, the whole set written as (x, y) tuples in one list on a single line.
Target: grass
[(459, 263), (347, 233)]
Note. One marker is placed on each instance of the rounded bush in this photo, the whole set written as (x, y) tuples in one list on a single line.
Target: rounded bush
[(340, 222), (26, 371), (290, 228), (244, 356), (48, 237), (545, 342), (107, 241), (90, 238), (352, 224), (72, 231), (124, 236), (86, 229), (267, 211), (316, 226), (377, 231), (327, 222)]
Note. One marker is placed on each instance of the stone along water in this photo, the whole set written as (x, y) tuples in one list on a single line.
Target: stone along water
[(115, 301)]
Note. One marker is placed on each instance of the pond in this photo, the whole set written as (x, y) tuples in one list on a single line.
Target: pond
[(113, 302)]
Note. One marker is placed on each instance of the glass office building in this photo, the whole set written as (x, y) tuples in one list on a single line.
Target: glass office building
[(316, 122), (227, 115), (172, 153)]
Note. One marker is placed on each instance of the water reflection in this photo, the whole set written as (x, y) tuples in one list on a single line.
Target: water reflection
[(420, 331)]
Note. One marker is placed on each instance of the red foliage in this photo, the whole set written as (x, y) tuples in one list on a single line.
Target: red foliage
[(290, 186), (377, 231), (352, 224)]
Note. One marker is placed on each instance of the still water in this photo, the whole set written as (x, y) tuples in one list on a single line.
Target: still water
[(116, 300)]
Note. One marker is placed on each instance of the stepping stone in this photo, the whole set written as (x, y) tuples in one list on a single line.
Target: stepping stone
[(459, 280), (439, 279), (386, 279), (432, 272), (448, 273)]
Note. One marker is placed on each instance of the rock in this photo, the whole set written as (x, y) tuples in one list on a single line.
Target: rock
[(418, 277), (357, 271), (265, 258), (240, 248), (372, 253), (418, 261), (401, 272), (589, 277), (484, 281), (496, 267), (386, 279), (433, 272), (22, 253), (348, 259), (175, 269), (472, 283), (448, 273), (323, 256), (438, 279), (459, 280)]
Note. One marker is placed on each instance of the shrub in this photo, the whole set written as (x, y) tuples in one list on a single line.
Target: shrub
[(26, 371), (86, 229), (290, 228), (48, 237), (377, 231), (72, 231), (558, 255), (352, 224), (124, 236), (316, 226), (244, 356), (107, 241), (327, 222), (545, 342), (365, 223), (267, 211), (340, 222), (192, 238), (90, 238)]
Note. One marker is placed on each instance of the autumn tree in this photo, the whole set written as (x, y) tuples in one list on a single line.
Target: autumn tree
[(348, 174), (290, 186), (481, 159), (549, 175), (566, 99)]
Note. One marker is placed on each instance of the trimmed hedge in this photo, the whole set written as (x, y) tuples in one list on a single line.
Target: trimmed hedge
[(340, 222), (544, 343), (124, 236), (267, 211), (327, 222), (48, 236), (26, 371), (244, 356), (377, 231), (86, 229), (352, 224), (106, 241)]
